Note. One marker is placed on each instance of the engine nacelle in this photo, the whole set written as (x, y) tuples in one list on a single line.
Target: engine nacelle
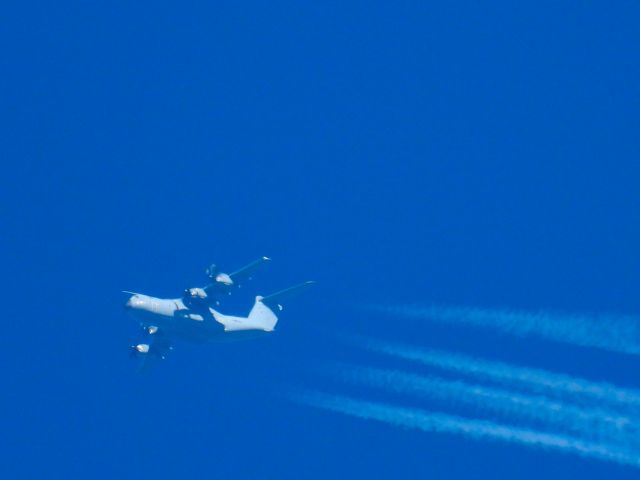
[(194, 296), (196, 293), (140, 349), (224, 279)]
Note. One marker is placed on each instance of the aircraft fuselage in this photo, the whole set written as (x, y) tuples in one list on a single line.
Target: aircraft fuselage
[(176, 319)]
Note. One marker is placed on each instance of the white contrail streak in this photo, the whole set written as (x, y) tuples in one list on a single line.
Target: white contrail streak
[(619, 334), (533, 380), (474, 429), (592, 423)]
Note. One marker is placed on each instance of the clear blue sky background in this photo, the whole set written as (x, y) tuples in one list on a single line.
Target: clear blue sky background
[(465, 153)]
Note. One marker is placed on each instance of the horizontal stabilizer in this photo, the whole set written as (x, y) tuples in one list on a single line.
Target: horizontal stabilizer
[(275, 300)]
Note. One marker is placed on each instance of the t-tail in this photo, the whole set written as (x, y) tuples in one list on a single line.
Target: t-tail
[(263, 311)]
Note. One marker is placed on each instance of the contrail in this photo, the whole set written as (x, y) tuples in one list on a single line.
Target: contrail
[(474, 429), (538, 381), (590, 423), (620, 334)]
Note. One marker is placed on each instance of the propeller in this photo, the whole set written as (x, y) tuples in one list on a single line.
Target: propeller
[(212, 271)]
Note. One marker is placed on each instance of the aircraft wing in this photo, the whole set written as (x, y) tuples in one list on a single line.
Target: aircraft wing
[(242, 275), (223, 284)]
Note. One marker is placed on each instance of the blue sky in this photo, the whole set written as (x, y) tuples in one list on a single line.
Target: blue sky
[(464, 154)]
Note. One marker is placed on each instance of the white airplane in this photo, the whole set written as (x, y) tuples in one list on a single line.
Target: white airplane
[(193, 317)]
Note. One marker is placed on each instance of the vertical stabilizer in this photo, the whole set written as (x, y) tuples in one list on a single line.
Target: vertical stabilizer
[(262, 317)]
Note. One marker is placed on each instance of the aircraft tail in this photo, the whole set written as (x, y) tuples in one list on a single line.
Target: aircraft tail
[(262, 312)]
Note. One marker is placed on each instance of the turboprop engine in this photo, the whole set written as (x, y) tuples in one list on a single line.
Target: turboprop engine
[(194, 297)]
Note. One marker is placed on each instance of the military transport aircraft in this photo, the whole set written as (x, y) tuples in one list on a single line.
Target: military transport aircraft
[(193, 317)]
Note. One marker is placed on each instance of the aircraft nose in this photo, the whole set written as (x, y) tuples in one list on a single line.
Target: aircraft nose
[(133, 302), (136, 302)]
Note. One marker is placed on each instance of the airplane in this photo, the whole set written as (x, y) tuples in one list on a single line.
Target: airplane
[(194, 318)]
